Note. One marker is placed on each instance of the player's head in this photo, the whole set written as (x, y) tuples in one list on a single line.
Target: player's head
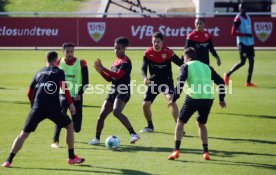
[(189, 54), (157, 41), (68, 50), (199, 24), (242, 8), (120, 45), (51, 57)]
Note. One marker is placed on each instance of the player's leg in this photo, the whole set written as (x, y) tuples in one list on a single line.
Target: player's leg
[(173, 107), (62, 120), (73, 158), (150, 95), (243, 55), (107, 108), (31, 123), (16, 146), (118, 107), (64, 107), (178, 136), (169, 94), (185, 114), (204, 108), (251, 55), (77, 118)]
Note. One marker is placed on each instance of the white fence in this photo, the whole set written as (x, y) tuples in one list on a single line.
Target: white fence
[(138, 14)]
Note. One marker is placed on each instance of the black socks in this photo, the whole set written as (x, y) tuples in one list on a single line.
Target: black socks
[(10, 158), (205, 148), (177, 145), (71, 153)]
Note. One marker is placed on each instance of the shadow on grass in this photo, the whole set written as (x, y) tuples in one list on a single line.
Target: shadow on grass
[(25, 102), (218, 153), (91, 106), (250, 115), (14, 102), (105, 170), (233, 163), (239, 140), (244, 140), (4, 88)]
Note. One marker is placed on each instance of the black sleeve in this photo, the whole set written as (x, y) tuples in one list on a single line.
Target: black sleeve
[(187, 43), (237, 24), (219, 81), (177, 60), (61, 75), (33, 82), (145, 67), (183, 74), (85, 79), (212, 49)]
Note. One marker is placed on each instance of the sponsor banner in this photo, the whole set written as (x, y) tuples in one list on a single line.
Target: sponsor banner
[(101, 32), (37, 32)]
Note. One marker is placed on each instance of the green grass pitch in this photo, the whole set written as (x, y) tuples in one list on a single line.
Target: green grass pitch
[(241, 137)]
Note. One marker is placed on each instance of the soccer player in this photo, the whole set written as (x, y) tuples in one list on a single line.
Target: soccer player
[(44, 97), (119, 95), (242, 29), (198, 78), (202, 42), (158, 60), (76, 75)]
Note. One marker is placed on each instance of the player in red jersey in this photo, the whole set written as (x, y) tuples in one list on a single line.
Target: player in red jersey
[(202, 42), (158, 60), (119, 95)]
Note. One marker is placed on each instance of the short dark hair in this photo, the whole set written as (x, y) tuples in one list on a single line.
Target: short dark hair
[(122, 40), (190, 52), (201, 19), (67, 44), (51, 56), (158, 35), (243, 5)]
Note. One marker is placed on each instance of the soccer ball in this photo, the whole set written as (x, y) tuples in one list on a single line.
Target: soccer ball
[(112, 142)]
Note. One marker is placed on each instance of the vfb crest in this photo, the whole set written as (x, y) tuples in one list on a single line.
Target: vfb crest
[(263, 30), (96, 30)]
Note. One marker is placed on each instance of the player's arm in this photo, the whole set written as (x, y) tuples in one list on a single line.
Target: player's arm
[(66, 92), (189, 43), (183, 74), (64, 87), (31, 88), (85, 79), (234, 30), (219, 81), (117, 75), (105, 76), (99, 68), (177, 60), (213, 51), (144, 70)]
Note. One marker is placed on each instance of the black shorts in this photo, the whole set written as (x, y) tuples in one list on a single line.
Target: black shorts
[(113, 95), (246, 51), (154, 88), (77, 118), (203, 106), (37, 115)]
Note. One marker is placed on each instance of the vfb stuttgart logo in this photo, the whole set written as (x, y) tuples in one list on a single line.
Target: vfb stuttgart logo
[(96, 30), (263, 30)]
